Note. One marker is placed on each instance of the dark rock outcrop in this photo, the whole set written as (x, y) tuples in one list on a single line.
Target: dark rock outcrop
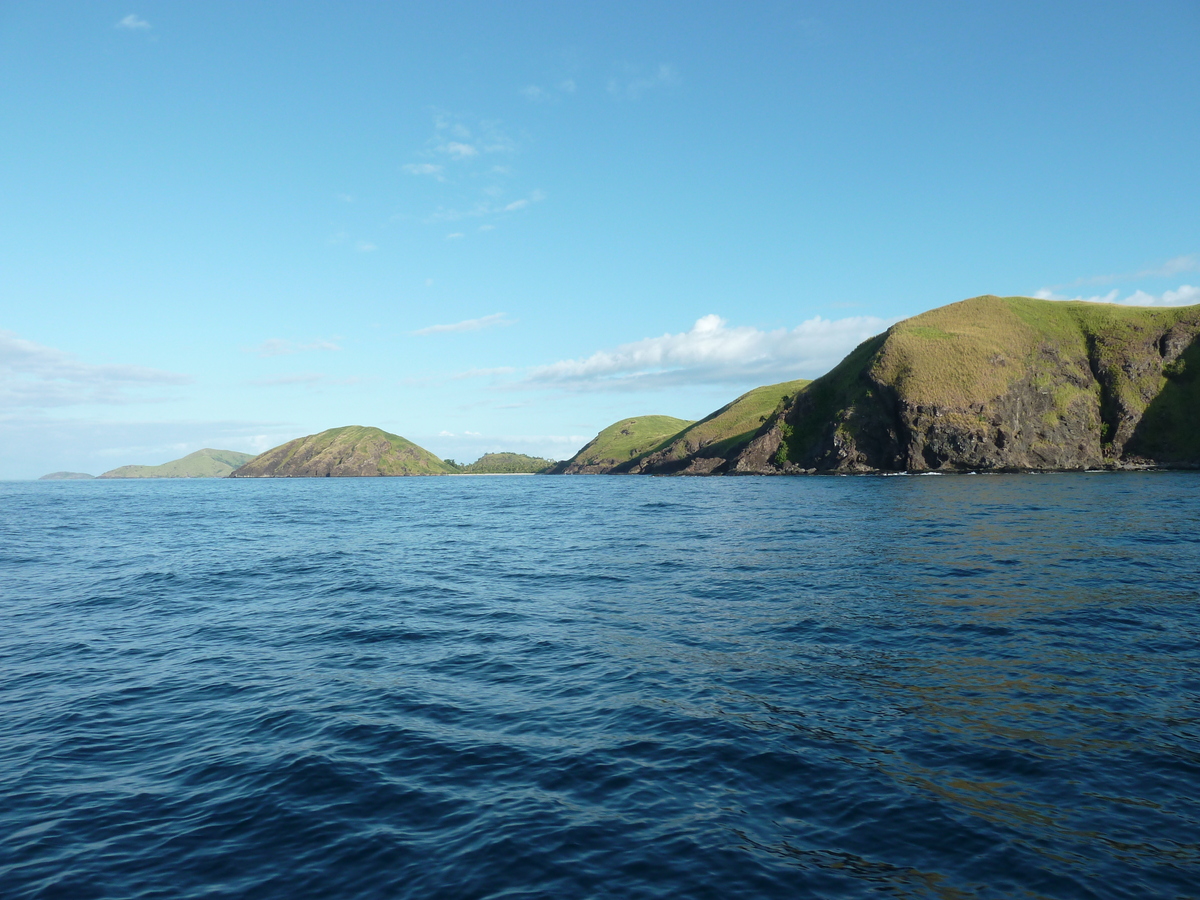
[(998, 384)]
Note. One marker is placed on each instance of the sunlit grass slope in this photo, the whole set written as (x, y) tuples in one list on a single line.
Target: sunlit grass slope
[(207, 463), (621, 442), (350, 451), (721, 433), (1041, 383)]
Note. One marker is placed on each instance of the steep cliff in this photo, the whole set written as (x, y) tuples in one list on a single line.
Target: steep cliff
[(350, 451), (999, 384), (704, 447)]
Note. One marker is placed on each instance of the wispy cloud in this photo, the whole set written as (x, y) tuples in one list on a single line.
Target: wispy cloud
[(469, 159), (280, 347), (487, 208), (423, 169), (495, 320), (134, 23), (538, 94), (1184, 295), (35, 376), (711, 353), (455, 235), (484, 373), (301, 378), (633, 82), (1189, 262)]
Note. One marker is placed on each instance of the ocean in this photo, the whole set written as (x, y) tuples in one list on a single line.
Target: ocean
[(601, 687)]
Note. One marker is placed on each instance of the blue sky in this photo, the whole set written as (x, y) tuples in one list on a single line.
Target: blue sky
[(495, 226)]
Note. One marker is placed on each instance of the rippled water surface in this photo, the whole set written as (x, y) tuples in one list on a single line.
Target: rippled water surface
[(585, 687)]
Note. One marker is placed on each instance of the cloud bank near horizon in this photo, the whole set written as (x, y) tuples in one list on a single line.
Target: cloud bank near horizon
[(34, 376), (711, 352), (1184, 295)]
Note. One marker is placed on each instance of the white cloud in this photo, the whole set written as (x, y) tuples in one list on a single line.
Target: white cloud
[(711, 353), (422, 168), (455, 235), (459, 150), (473, 433), (34, 376), (445, 434), (133, 23), (365, 247), (515, 205), (492, 321), (632, 83), (538, 94), (280, 347), (1185, 295)]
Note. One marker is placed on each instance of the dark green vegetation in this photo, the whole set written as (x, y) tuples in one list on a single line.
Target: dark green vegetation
[(997, 383), (621, 442), (991, 383), (205, 463), (67, 476), (505, 464), (704, 446), (350, 451)]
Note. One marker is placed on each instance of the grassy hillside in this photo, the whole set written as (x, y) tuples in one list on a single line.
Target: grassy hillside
[(721, 433), (1009, 382), (507, 464), (621, 442), (207, 463), (349, 451)]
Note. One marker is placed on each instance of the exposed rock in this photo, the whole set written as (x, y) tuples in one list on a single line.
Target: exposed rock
[(999, 384)]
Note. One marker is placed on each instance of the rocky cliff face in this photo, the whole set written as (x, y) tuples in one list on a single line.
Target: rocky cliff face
[(352, 451), (999, 384), (704, 447)]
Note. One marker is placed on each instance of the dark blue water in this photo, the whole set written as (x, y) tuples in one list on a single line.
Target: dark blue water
[(583, 687)]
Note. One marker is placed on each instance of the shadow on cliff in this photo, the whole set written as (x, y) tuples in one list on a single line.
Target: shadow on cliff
[(1169, 431)]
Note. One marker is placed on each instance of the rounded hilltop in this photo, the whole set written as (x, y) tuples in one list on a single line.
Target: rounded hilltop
[(352, 451)]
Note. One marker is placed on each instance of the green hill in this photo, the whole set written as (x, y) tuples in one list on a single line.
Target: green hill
[(350, 451), (507, 464), (67, 476), (207, 463), (1002, 384), (621, 442), (704, 446)]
